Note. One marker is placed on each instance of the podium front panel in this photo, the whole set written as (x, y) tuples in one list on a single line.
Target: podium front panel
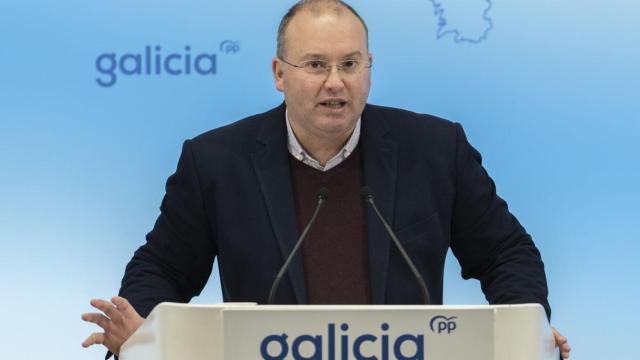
[(303, 332)]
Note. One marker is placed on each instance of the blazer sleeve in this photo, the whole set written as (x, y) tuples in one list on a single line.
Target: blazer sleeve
[(488, 240), (175, 262)]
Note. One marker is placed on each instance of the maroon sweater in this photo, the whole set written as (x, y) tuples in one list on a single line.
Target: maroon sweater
[(335, 254)]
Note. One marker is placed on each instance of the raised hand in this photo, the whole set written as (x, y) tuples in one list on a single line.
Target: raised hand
[(118, 320)]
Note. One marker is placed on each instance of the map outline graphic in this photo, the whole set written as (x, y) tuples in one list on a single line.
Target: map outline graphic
[(439, 10)]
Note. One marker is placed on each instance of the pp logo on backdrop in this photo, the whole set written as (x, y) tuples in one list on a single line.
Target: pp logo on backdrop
[(440, 324), (155, 61), (229, 46)]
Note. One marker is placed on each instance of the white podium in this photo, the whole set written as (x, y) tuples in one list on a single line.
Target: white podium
[(259, 332)]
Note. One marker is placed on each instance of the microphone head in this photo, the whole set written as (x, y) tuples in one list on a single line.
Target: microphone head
[(367, 192), (323, 193)]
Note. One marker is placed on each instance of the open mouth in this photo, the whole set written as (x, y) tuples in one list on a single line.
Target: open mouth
[(334, 104)]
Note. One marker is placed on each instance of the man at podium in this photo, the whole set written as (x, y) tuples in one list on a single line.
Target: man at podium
[(245, 192)]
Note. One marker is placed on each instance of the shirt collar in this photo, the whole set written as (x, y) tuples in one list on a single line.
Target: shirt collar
[(298, 152)]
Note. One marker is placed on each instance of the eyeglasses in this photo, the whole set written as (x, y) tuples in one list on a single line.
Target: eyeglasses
[(321, 67)]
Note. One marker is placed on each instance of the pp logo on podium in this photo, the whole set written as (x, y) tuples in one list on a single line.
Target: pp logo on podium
[(440, 324)]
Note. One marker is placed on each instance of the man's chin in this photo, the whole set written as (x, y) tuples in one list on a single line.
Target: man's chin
[(337, 126)]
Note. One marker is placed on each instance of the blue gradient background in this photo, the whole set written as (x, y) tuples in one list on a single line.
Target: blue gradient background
[(551, 99)]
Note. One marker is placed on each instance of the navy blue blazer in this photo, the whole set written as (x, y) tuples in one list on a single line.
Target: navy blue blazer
[(231, 197)]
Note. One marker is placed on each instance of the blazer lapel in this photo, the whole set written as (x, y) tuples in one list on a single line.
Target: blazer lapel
[(271, 164), (380, 171)]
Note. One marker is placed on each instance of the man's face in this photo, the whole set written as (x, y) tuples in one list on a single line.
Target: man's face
[(324, 106)]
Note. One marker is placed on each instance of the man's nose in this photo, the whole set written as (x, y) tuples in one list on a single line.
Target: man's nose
[(334, 78)]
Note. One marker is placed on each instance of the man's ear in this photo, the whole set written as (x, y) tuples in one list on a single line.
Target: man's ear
[(276, 68)]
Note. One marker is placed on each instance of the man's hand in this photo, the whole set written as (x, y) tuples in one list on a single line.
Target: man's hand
[(120, 322), (562, 343)]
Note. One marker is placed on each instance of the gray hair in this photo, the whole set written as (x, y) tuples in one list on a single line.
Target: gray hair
[(314, 7)]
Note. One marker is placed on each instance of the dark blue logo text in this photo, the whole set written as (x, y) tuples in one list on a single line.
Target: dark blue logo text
[(441, 324), (343, 345)]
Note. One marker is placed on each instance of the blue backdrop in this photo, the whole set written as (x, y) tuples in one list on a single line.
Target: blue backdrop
[(546, 90)]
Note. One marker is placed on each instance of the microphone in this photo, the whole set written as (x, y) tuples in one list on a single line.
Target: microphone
[(367, 194), (323, 195)]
